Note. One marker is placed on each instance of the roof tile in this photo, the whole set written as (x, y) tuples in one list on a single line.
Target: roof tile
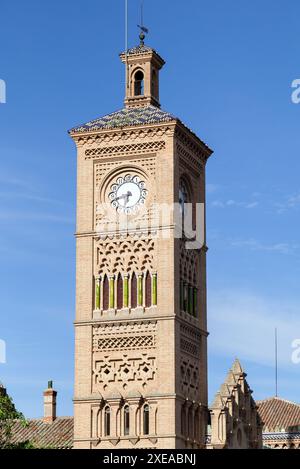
[(58, 435), (278, 413), (126, 117)]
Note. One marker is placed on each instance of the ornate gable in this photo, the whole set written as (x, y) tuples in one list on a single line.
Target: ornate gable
[(235, 422)]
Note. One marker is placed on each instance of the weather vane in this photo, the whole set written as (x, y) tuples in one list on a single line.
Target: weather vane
[(143, 29)]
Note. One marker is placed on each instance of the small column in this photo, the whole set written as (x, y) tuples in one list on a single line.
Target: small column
[(154, 289), (98, 292), (112, 292), (135, 429), (125, 291), (95, 412), (140, 290)]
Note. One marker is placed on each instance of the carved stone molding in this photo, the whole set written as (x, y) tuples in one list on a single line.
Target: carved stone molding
[(130, 149), (197, 148), (190, 378), (188, 160), (104, 138), (125, 256), (189, 347), (139, 368)]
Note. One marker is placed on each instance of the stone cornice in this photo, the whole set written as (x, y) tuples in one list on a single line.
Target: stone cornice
[(143, 319), (118, 133), (169, 129), (190, 140)]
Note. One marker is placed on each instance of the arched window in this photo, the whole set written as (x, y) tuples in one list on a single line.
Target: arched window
[(139, 83), (185, 297), (191, 300), (190, 423), (120, 292), (148, 290), (105, 293), (126, 420), (133, 291), (181, 293), (239, 437), (146, 420), (107, 421), (187, 208), (195, 297), (197, 426), (183, 196)]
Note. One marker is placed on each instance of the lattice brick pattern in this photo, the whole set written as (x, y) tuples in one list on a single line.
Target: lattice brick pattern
[(186, 156), (124, 343), (124, 369), (125, 328), (126, 255), (189, 264), (136, 148), (124, 135), (194, 148), (189, 375), (189, 347), (148, 164), (190, 332)]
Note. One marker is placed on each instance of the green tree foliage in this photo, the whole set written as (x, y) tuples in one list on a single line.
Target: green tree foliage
[(8, 413)]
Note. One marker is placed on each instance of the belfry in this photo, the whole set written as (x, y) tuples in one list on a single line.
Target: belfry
[(141, 329)]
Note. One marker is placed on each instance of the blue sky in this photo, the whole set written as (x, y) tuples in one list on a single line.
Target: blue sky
[(230, 65)]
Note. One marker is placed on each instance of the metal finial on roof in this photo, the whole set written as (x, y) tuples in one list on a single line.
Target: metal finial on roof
[(50, 384), (142, 38), (143, 29)]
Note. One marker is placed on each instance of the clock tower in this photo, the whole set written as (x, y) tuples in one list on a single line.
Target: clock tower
[(141, 330)]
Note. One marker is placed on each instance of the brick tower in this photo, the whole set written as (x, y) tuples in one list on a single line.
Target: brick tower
[(141, 332)]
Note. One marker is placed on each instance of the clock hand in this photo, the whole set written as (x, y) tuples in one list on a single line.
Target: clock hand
[(128, 195), (125, 197)]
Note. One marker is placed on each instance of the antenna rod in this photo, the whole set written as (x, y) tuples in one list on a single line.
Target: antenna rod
[(276, 364), (126, 47), (142, 13), (143, 29)]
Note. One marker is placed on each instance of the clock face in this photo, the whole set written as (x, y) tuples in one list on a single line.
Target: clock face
[(128, 194)]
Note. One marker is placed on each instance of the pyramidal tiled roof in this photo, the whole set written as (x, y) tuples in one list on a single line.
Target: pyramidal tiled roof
[(126, 117), (140, 49), (278, 414)]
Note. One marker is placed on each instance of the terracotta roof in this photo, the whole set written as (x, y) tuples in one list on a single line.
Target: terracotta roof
[(126, 117), (56, 435), (278, 414)]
